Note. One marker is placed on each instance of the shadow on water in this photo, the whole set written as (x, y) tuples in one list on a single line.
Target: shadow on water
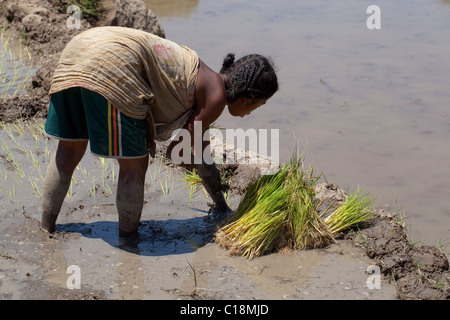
[(155, 237)]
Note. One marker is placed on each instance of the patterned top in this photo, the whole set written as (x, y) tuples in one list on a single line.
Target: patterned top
[(133, 69)]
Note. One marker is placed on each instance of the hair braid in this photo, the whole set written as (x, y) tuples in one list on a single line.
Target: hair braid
[(252, 76)]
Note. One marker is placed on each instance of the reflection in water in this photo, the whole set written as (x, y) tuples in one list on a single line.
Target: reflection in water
[(172, 8)]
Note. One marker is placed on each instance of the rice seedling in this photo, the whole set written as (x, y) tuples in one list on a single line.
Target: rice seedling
[(113, 173), (46, 150), (40, 125), (19, 127), (277, 212), (12, 194), (34, 159), (34, 185), (41, 176), (70, 191), (355, 209), (5, 175), (93, 191), (107, 189), (193, 180), (165, 187), (34, 132), (153, 176), (195, 276), (84, 171)]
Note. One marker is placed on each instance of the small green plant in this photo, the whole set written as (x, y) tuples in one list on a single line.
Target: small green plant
[(34, 185), (107, 189), (195, 276), (93, 191), (12, 194), (165, 188), (193, 180)]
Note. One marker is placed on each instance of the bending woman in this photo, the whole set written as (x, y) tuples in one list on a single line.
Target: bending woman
[(121, 89)]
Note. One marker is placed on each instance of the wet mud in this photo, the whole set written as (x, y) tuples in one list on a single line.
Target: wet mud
[(174, 256)]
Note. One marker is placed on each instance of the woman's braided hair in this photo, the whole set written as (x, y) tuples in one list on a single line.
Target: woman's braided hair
[(252, 76)]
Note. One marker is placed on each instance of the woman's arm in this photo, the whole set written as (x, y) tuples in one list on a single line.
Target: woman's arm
[(210, 99), (209, 104)]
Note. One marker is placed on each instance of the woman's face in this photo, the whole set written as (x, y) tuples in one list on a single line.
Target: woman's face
[(244, 106)]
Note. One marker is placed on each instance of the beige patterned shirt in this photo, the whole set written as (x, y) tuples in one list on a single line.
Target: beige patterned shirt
[(132, 69)]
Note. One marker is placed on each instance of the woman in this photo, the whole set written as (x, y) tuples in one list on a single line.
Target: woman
[(122, 89)]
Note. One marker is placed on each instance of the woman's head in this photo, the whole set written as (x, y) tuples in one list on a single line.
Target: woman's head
[(252, 78)]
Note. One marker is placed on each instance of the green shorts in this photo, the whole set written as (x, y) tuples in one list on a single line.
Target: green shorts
[(80, 114)]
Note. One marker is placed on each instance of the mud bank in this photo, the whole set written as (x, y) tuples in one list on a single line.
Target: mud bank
[(43, 27), (175, 228)]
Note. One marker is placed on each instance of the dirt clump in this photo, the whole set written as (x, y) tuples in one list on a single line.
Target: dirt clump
[(419, 272)]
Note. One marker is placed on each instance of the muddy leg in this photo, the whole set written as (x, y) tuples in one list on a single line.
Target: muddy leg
[(57, 179), (130, 194)]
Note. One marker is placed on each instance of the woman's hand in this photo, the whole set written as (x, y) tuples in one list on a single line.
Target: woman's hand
[(212, 182)]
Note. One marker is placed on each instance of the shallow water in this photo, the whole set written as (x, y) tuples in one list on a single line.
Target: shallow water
[(174, 255), (15, 69), (370, 108)]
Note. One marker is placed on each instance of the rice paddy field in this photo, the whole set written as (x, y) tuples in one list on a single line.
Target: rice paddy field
[(175, 257), (284, 239)]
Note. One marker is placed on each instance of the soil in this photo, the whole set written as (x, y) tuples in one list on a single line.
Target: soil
[(175, 256)]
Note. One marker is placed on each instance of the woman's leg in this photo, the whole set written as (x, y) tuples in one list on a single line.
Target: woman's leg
[(130, 194), (57, 179)]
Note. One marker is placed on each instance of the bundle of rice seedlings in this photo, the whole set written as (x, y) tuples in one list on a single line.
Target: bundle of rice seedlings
[(277, 212), (355, 209)]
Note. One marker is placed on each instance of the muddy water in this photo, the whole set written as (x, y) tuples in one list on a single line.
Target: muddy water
[(370, 108), (174, 256)]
